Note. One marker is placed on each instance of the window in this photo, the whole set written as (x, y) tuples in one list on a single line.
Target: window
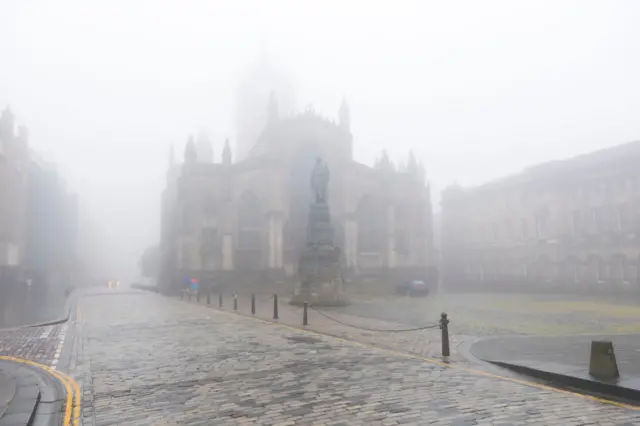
[(576, 222), (598, 220), (210, 239), (249, 222), (209, 205), (402, 241), (525, 229), (541, 226), (368, 225), (623, 218)]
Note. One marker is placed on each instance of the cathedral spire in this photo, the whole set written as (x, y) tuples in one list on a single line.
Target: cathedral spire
[(421, 173), (273, 108), (344, 115), (412, 164), (384, 163), (190, 152), (226, 153)]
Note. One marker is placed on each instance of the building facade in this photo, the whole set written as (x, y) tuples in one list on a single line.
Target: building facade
[(14, 183), (569, 225), (52, 229), (38, 227), (244, 223)]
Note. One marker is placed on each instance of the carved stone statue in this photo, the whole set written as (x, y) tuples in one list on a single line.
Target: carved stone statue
[(319, 267), (320, 181)]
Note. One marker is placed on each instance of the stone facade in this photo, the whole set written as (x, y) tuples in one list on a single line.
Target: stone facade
[(566, 225), (245, 223), (38, 224), (14, 159)]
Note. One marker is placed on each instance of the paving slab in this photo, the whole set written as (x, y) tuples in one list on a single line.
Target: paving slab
[(8, 388), (565, 359), (20, 410)]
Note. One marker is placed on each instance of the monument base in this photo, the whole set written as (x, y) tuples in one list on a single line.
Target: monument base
[(319, 299), (320, 278)]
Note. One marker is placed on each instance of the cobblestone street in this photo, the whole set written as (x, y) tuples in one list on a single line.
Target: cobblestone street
[(150, 360)]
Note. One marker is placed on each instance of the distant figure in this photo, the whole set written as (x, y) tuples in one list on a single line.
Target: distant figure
[(320, 181)]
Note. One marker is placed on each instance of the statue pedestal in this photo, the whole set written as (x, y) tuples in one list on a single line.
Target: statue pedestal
[(319, 269)]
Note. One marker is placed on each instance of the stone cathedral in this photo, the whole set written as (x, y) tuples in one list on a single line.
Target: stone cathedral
[(243, 223)]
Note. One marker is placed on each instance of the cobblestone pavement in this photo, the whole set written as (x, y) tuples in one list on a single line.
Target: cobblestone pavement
[(494, 314), (150, 360), (38, 344), (427, 342)]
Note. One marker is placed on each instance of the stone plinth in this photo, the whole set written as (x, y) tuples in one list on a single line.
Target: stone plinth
[(319, 269)]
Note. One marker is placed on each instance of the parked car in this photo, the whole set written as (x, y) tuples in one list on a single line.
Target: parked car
[(413, 288)]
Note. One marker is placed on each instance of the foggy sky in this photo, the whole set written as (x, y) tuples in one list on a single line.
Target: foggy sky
[(478, 89)]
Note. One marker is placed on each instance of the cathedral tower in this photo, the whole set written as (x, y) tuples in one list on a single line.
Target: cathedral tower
[(262, 81)]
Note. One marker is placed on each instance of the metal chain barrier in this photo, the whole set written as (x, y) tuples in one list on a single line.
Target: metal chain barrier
[(265, 300), (374, 329), (442, 324)]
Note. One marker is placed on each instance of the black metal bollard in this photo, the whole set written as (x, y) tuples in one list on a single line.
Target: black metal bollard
[(275, 306), (220, 299), (198, 296), (208, 298), (444, 326), (235, 302), (305, 320), (253, 304)]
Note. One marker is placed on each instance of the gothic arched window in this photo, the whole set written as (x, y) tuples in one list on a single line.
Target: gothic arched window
[(368, 225), (249, 222), (209, 205)]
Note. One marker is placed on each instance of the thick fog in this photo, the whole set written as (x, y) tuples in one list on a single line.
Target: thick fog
[(477, 89)]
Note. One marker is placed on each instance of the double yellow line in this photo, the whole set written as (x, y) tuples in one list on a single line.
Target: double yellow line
[(71, 387)]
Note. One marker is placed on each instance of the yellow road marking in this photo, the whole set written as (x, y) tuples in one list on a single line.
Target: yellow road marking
[(76, 393), (444, 364), (68, 384)]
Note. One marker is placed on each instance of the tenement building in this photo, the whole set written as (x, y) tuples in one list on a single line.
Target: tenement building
[(14, 159), (38, 224), (243, 223), (566, 225)]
